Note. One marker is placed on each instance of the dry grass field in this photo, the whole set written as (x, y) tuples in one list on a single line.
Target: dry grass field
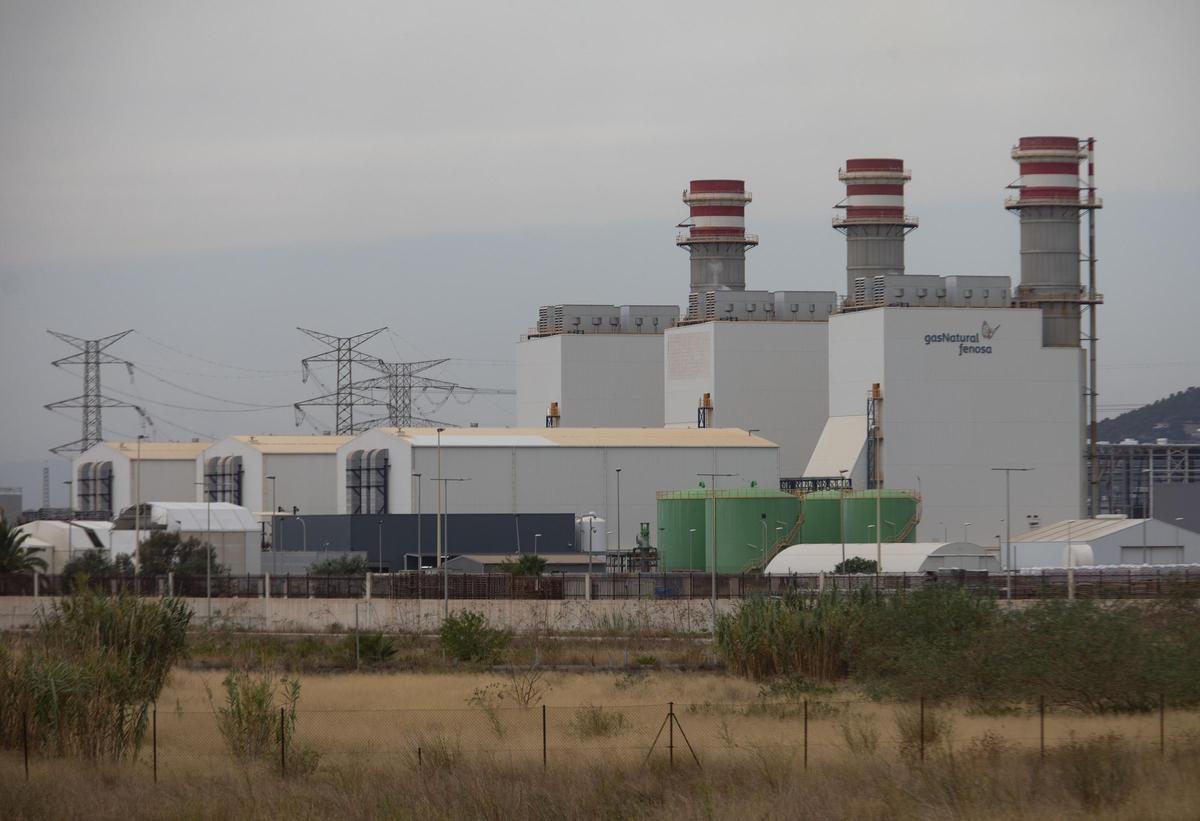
[(456, 745)]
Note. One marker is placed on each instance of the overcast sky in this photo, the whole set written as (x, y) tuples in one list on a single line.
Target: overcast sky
[(215, 174)]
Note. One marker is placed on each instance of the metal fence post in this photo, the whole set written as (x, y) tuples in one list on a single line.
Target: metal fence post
[(154, 740), (1042, 725), (283, 742), (922, 728), (671, 733), (1162, 724), (543, 736), (806, 734)]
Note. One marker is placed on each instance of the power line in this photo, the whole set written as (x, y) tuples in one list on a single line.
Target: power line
[(170, 347), (344, 350)]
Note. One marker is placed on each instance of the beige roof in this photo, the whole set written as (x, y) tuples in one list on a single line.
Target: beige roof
[(593, 437), (1078, 530), (294, 444), (160, 450)]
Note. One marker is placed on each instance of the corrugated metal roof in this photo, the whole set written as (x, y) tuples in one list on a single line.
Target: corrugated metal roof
[(1078, 530), (160, 450), (294, 444), (588, 437)]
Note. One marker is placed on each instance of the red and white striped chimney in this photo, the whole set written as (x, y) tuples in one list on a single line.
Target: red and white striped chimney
[(874, 221), (716, 234)]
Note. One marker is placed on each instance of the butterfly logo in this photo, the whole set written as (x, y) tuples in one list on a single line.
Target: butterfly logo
[(987, 331)]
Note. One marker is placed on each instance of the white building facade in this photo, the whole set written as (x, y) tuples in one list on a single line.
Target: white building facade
[(107, 478), (964, 390), (771, 377), (546, 470), (236, 470)]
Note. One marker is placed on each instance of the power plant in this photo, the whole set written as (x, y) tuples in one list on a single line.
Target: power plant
[(895, 412)]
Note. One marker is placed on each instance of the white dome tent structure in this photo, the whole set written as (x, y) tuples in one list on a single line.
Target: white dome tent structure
[(902, 557)]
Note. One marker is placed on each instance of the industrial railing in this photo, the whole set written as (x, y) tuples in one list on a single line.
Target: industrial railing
[(1139, 582)]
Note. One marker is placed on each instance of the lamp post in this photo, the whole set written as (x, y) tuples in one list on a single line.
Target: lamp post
[(1178, 541), (842, 515), (444, 536), (1150, 488), (208, 551), (304, 531), (439, 488), (417, 476), (691, 542), (966, 529), (1008, 528), (763, 520), (536, 536), (379, 563), (137, 507), (618, 510), (274, 525), (713, 598)]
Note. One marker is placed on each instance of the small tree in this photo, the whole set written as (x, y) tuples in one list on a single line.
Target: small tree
[(14, 556), (165, 552), (467, 637), (526, 564), (339, 566), (856, 565)]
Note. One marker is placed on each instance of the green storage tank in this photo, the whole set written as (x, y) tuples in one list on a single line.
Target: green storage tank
[(825, 511), (679, 512), (747, 519)]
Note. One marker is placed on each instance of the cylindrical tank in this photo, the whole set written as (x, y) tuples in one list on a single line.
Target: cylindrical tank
[(681, 525), (1049, 207), (874, 223), (826, 512), (747, 519), (597, 540), (716, 235)]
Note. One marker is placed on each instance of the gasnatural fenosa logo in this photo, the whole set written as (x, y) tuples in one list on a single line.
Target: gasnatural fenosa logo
[(967, 343)]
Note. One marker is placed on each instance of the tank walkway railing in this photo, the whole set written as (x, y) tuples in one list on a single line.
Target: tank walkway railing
[(1134, 582)]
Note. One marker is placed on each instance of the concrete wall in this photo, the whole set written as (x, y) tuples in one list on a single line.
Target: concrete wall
[(320, 615), (599, 380), (767, 376), (949, 415)]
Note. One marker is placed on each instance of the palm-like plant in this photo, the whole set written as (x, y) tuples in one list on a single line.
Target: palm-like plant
[(14, 556)]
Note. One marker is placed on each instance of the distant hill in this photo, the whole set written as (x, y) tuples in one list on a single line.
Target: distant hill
[(1175, 418)]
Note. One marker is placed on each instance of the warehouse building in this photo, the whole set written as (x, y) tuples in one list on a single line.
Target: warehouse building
[(544, 470), (105, 477), (905, 557), (1113, 540), (265, 472)]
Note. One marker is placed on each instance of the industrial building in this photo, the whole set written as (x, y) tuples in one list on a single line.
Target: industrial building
[(1141, 479), (1110, 540), (908, 557), (267, 473), (905, 380), (543, 470), (109, 476)]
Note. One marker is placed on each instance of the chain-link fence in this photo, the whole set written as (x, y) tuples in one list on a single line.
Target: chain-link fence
[(799, 733)]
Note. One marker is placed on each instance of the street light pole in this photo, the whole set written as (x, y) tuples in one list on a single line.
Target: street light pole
[(1008, 528), (137, 507), (438, 490), (618, 510), (713, 580), (842, 516), (379, 563), (445, 537), (417, 476), (274, 535), (208, 550), (304, 531), (536, 536), (966, 530)]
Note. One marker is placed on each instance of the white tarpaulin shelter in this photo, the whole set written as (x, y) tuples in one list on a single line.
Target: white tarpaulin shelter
[(898, 557)]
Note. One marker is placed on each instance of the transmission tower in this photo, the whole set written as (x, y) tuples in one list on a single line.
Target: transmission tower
[(344, 350), (91, 355)]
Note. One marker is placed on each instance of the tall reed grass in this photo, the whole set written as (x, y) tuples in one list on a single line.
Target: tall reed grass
[(83, 684)]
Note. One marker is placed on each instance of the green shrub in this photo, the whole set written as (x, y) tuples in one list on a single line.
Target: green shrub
[(855, 564), (258, 713), (339, 566), (591, 721), (373, 648), (938, 729), (86, 680), (467, 637)]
